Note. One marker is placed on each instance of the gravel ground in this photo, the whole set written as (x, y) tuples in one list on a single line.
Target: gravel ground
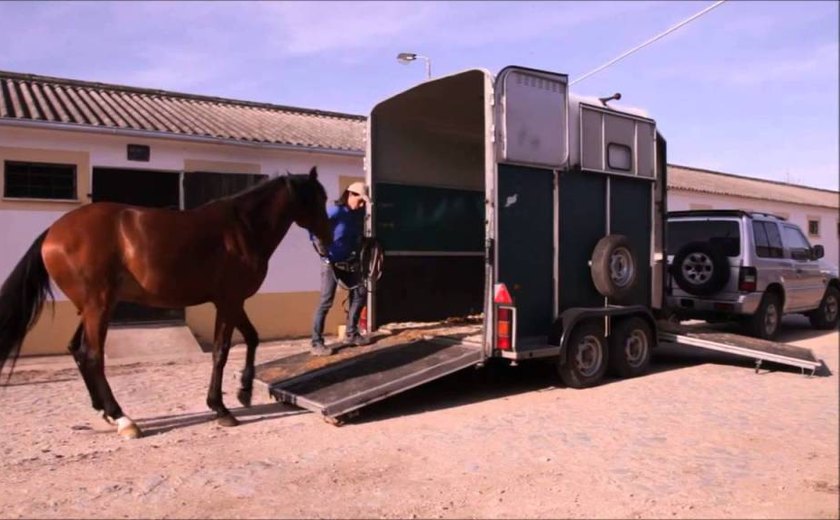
[(702, 436)]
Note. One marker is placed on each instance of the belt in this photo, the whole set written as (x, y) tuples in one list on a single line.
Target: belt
[(346, 266)]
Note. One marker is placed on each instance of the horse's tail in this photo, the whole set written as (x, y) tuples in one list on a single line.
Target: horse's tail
[(21, 299)]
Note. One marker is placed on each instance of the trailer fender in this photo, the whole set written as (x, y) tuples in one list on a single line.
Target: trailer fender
[(571, 317)]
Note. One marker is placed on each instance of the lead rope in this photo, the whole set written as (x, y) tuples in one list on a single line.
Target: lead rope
[(371, 259)]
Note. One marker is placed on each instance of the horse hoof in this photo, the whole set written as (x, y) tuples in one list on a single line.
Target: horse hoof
[(244, 397), (227, 420), (130, 432)]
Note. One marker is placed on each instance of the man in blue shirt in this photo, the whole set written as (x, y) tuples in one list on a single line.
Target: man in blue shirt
[(342, 263)]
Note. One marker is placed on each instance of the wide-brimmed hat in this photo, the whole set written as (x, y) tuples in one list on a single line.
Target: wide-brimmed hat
[(361, 189)]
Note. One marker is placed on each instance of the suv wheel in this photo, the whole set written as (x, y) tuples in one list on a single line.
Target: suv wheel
[(825, 317), (700, 269), (765, 322)]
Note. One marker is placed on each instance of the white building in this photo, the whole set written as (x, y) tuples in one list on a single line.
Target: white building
[(64, 143)]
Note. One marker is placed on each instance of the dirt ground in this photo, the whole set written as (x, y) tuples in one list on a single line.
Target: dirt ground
[(702, 436)]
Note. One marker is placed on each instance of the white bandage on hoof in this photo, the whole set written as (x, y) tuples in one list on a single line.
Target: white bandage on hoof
[(124, 422), (126, 428)]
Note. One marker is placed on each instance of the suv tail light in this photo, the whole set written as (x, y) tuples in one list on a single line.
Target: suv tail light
[(747, 280)]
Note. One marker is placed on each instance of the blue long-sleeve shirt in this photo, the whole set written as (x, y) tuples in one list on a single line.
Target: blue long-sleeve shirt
[(347, 226)]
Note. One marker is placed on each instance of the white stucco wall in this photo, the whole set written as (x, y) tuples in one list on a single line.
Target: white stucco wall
[(797, 213), (293, 267)]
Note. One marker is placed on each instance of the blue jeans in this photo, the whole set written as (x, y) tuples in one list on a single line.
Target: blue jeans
[(358, 296)]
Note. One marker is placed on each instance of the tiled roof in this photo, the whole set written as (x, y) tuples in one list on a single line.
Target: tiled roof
[(28, 97), (33, 98), (706, 181)]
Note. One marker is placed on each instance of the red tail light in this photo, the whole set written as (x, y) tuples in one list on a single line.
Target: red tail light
[(504, 327), (501, 294), (748, 279)]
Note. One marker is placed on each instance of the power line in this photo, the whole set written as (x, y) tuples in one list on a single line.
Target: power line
[(645, 44)]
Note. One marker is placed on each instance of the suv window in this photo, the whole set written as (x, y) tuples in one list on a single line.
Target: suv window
[(724, 233), (795, 240), (768, 242)]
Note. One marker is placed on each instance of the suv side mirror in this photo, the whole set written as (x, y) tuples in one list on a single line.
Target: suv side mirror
[(817, 252)]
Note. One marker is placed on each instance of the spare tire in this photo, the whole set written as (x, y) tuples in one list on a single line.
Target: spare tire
[(699, 268), (614, 267)]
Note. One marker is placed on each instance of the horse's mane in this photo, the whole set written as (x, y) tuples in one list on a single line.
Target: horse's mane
[(263, 185), (262, 188)]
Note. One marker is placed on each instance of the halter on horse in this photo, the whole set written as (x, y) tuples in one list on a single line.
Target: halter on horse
[(104, 253)]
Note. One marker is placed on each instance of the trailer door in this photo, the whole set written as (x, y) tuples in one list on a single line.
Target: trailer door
[(532, 144)]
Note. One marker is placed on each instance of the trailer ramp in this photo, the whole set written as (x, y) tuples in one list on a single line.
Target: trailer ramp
[(357, 377), (758, 349)]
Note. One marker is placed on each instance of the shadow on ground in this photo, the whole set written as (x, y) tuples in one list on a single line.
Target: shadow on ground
[(254, 414)]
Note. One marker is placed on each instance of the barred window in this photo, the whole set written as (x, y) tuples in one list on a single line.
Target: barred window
[(30, 180), (813, 227)]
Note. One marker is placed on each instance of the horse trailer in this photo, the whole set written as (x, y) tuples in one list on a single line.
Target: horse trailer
[(511, 199)]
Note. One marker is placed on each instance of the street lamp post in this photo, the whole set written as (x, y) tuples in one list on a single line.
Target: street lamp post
[(407, 57)]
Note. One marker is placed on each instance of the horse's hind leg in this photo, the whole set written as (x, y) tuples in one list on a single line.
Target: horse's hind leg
[(221, 346), (252, 339), (76, 347), (96, 327)]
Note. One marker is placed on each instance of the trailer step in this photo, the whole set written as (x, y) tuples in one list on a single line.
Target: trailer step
[(757, 349)]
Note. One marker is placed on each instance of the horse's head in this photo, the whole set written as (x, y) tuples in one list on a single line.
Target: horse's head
[(310, 208)]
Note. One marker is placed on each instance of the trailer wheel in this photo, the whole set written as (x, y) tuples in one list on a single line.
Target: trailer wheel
[(587, 355), (613, 266), (630, 342), (700, 269)]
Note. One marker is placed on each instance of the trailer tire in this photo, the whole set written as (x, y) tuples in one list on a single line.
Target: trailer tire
[(631, 343), (700, 268), (613, 266), (586, 358)]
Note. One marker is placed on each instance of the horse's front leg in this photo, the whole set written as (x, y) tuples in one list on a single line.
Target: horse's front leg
[(252, 339), (221, 346)]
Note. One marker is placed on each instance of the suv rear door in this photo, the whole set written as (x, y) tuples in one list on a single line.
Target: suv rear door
[(808, 283), (770, 260)]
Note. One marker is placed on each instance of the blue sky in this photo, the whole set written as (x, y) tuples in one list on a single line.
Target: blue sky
[(750, 88)]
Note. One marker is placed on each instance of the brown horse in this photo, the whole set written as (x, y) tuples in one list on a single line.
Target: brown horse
[(104, 253)]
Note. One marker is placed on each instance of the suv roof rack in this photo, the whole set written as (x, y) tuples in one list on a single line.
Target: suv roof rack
[(722, 213)]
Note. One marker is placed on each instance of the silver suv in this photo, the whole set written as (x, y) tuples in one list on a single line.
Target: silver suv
[(730, 264)]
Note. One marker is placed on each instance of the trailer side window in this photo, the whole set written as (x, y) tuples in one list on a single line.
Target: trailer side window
[(619, 157)]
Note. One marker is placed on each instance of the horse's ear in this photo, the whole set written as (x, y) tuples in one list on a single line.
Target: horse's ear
[(313, 173)]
